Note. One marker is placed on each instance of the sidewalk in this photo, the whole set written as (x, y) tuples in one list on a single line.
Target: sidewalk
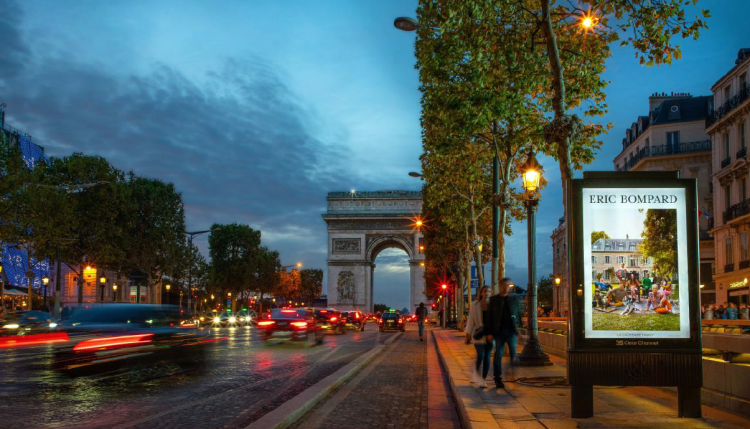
[(521, 405)]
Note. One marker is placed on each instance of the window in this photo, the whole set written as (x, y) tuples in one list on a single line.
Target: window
[(743, 189), (606, 275), (620, 259), (727, 154), (727, 196), (742, 136), (633, 262), (607, 260), (593, 274), (673, 140), (726, 94), (728, 250), (743, 246), (743, 81), (593, 259)]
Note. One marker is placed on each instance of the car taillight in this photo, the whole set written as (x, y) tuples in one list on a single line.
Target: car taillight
[(125, 340), (400, 320), (356, 316), (334, 318), (266, 323), (299, 324)]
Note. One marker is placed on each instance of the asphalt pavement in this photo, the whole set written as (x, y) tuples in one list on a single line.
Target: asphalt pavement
[(243, 379)]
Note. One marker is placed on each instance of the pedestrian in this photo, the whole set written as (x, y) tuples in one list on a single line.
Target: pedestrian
[(503, 320), (421, 316), (731, 311), (744, 311), (475, 331), (440, 316)]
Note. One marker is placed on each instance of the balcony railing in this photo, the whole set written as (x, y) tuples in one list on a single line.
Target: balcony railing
[(742, 153), (703, 235), (744, 264), (711, 223), (728, 268), (667, 149), (737, 210), (716, 114), (726, 161)]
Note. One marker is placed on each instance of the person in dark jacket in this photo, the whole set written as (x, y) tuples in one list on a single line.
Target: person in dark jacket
[(503, 320)]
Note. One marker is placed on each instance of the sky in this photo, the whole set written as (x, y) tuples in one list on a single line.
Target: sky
[(255, 110)]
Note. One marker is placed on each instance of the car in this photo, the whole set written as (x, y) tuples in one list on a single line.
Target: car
[(145, 340), (292, 324), (245, 318), (392, 321), (354, 320), (330, 320), (27, 322)]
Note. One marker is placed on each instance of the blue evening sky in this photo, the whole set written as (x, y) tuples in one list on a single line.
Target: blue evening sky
[(255, 110)]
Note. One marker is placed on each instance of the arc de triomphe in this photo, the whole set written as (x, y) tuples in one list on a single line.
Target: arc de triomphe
[(360, 226)]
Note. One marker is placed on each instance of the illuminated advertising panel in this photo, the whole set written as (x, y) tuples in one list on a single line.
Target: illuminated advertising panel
[(635, 263)]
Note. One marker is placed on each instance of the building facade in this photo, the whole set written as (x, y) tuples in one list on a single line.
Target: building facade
[(673, 137), (560, 297), (614, 258), (727, 124)]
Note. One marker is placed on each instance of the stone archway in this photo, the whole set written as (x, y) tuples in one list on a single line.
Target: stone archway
[(360, 226)]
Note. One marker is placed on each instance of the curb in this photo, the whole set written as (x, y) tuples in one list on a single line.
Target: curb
[(293, 409), (458, 398)]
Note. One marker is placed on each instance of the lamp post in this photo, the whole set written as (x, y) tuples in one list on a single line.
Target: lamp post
[(168, 287), (190, 265), (45, 282), (557, 296), (102, 283), (114, 292), (532, 354), (445, 290)]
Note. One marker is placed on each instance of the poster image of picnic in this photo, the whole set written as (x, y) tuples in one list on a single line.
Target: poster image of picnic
[(635, 285), (632, 266)]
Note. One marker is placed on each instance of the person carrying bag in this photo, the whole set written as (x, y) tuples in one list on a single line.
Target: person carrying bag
[(475, 332)]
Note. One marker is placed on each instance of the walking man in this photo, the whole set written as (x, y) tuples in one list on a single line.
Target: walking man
[(421, 316), (503, 321)]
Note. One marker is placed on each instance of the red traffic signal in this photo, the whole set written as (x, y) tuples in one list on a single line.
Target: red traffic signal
[(444, 286)]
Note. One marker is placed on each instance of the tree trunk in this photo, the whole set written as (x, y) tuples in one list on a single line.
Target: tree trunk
[(80, 286), (477, 252)]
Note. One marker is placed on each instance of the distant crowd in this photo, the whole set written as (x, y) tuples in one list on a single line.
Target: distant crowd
[(725, 311)]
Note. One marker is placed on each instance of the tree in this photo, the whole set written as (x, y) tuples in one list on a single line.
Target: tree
[(234, 250), (311, 284), (154, 237), (379, 308), (546, 290), (596, 235), (660, 239), (289, 285), (89, 222), (268, 275)]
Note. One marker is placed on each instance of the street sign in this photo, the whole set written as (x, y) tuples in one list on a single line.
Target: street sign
[(475, 278), (626, 335)]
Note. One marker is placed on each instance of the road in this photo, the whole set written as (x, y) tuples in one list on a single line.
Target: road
[(244, 378)]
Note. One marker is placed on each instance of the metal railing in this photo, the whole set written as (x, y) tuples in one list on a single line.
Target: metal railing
[(728, 268), (667, 149), (742, 153), (744, 264), (726, 161), (716, 114), (737, 210)]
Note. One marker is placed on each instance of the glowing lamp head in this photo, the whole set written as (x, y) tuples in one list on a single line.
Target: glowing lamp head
[(102, 280), (88, 267), (444, 286), (421, 247), (168, 287), (557, 281), (299, 264), (114, 288), (421, 264), (229, 293), (531, 174), (419, 222), (212, 296), (45, 280)]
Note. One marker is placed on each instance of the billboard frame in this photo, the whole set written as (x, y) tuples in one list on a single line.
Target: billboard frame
[(632, 361)]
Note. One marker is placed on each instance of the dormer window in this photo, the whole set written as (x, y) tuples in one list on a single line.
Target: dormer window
[(674, 109)]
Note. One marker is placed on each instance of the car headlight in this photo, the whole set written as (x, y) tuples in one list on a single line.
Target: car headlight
[(247, 319), (53, 325), (11, 326), (232, 319), (217, 319)]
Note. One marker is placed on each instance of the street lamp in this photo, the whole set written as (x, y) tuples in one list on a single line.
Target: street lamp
[(445, 290), (102, 282), (415, 174), (168, 287), (405, 23), (114, 293), (45, 281), (532, 354)]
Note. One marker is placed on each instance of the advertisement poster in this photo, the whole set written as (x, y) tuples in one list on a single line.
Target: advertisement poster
[(635, 263)]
